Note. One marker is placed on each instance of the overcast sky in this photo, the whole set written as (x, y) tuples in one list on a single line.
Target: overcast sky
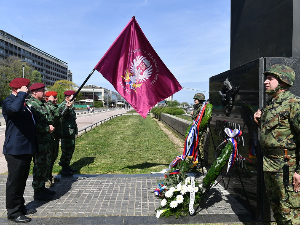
[(192, 37)]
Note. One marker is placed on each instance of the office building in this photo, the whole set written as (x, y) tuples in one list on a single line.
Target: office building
[(50, 67)]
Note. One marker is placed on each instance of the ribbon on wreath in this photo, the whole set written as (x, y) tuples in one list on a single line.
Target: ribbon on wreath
[(232, 134), (192, 139), (160, 188)]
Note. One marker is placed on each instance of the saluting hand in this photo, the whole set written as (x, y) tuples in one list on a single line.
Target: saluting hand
[(23, 89), (296, 182), (69, 103)]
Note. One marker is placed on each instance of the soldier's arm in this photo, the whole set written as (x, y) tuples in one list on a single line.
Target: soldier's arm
[(15, 106), (41, 124), (295, 123)]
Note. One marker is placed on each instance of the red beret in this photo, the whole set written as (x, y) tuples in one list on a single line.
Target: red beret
[(49, 93), (36, 86), (70, 92), (19, 82)]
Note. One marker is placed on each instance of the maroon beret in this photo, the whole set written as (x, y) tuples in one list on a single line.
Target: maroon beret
[(70, 92), (36, 86), (49, 93), (19, 82)]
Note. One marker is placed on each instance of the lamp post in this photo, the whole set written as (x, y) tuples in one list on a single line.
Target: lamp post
[(23, 65)]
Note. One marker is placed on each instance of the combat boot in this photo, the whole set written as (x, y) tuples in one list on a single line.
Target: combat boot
[(40, 195), (66, 172), (67, 167), (49, 192), (71, 169)]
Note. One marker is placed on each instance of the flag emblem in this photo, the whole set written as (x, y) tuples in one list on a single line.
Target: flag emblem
[(140, 71)]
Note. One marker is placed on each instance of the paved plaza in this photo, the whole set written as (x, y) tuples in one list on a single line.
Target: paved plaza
[(119, 199)]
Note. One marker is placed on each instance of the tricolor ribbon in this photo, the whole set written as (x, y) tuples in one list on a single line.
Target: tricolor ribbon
[(232, 134), (192, 139)]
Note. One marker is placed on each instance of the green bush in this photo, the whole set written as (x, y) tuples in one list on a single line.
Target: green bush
[(98, 104), (169, 110)]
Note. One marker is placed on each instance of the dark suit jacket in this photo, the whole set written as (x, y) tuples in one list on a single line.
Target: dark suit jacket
[(20, 129)]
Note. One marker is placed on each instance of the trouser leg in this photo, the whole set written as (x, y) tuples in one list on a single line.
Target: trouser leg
[(18, 170)]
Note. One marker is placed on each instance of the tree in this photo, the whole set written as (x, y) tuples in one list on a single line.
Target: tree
[(11, 68), (173, 103), (61, 86), (185, 104)]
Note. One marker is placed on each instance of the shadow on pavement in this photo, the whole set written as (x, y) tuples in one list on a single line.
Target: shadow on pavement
[(144, 165)]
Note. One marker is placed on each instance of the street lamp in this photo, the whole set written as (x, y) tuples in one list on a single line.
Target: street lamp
[(23, 65)]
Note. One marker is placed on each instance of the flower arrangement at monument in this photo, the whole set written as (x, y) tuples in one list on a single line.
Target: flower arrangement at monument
[(178, 191)]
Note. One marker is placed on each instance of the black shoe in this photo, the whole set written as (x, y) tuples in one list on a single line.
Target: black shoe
[(72, 170), (66, 172), (49, 192), (67, 167), (21, 219), (29, 211), (40, 195)]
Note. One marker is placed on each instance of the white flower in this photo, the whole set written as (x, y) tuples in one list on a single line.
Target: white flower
[(179, 187), (173, 204), (189, 188), (184, 189), (172, 189), (187, 180), (163, 202), (179, 199), (169, 194), (196, 189), (159, 212)]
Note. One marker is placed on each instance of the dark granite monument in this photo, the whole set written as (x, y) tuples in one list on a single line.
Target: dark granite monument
[(263, 33)]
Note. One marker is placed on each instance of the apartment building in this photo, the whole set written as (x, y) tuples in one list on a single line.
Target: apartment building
[(108, 97), (50, 67)]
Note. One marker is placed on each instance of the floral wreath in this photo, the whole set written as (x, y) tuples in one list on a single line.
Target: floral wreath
[(179, 191)]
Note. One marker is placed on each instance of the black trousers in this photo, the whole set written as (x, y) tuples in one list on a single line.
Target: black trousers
[(18, 170)]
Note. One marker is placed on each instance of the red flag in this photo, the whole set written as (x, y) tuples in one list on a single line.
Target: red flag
[(135, 70)]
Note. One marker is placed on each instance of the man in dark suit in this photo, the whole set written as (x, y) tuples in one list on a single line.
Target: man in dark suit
[(19, 145)]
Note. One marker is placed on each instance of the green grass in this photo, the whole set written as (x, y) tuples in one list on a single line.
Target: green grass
[(123, 145)]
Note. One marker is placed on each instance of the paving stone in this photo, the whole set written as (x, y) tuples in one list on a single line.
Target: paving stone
[(122, 198)]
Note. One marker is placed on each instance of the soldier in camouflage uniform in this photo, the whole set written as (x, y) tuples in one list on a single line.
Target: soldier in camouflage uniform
[(51, 99), (279, 125), (68, 131), (199, 98), (44, 129)]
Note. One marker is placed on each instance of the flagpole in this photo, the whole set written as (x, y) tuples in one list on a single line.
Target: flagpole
[(79, 89)]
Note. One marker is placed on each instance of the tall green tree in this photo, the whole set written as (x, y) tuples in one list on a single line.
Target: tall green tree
[(173, 103), (61, 86), (11, 68)]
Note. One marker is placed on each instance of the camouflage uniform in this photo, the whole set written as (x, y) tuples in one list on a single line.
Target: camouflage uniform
[(68, 132), (41, 158), (55, 112), (197, 107), (280, 129), (196, 111)]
